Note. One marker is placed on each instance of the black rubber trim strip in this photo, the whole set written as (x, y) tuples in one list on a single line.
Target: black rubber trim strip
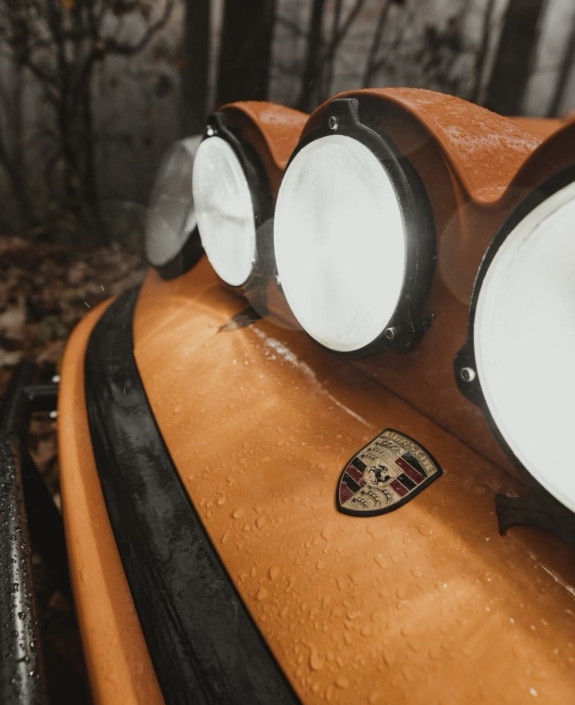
[(204, 645)]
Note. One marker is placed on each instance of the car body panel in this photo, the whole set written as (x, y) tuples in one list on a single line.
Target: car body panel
[(405, 607), (117, 659), (424, 604), (476, 167)]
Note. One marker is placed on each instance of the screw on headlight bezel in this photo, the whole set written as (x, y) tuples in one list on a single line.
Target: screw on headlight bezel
[(404, 330), (263, 267)]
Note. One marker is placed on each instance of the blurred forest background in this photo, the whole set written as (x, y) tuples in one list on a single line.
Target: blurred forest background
[(93, 91)]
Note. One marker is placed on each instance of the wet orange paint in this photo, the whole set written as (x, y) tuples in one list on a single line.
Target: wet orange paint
[(427, 604), (117, 659)]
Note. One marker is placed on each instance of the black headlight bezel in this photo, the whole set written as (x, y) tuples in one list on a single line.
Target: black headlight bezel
[(218, 125), (351, 118), (465, 369)]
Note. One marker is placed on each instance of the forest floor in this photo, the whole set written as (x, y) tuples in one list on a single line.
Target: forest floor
[(44, 291)]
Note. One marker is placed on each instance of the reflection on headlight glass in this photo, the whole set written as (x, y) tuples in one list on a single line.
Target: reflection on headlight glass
[(340, 243), (224, 211)]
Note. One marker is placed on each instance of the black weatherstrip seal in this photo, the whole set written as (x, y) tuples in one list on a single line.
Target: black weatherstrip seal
[(204, 645)]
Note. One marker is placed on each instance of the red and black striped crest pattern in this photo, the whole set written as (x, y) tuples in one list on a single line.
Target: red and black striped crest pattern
[(386, 473)]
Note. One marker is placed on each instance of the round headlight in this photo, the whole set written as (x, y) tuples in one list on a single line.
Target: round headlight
[(224, 210), (518, 361), (353, 237), (171, 240)]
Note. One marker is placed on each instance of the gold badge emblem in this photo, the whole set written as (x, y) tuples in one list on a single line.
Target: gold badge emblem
[(386, 473)]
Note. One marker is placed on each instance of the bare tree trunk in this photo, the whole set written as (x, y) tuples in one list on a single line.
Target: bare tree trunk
[(311, 78), (243, 67), (564, 72), (92, 213), (196, 54), (328, 78), (513, 62), (331, 50), (371, 63), (481, 56), (12, 145)]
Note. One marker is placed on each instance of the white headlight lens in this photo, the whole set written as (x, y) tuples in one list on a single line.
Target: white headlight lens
[(224, 211), (340, 243), (524, 340), (171, 217)]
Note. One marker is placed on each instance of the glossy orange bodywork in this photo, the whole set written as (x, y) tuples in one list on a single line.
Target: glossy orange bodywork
[(426, 604), (544, 127), (476, 167), (272, 130), (117, 659)]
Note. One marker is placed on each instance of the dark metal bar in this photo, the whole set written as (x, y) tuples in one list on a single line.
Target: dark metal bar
[(16, 406), (45, 524), (27, 512), (204, 646), (21, 667), (42, 397)]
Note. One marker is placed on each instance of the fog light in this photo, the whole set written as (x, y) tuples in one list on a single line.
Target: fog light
[(518, 363), (224, 210), (353, 237), (171, 239)]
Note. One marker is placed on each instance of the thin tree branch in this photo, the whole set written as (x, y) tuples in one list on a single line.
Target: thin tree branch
[(564, 73), (370, 64), (481, 55)]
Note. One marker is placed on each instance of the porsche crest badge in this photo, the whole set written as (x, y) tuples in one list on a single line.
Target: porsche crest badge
[(386, 473)]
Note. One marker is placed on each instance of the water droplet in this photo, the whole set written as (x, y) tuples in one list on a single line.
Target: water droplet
[(238, 513), (319, 565), (316, 661), (274, 572), (221, 501), (424, 529), (225, 536), (408, 629), (342, 682), (389, 658), (533, 692), (262, 594), (260, 522)]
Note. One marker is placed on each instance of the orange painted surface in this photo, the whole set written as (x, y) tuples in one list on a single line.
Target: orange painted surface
[(476, 167), (273, 130), (427, 604), (119, 667), (544, 127), (485, 150)]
